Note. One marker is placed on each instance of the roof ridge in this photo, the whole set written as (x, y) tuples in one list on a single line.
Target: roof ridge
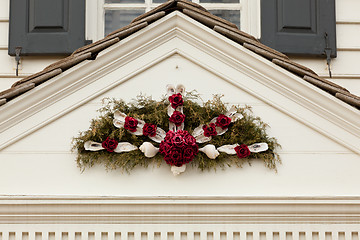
[(198, 13)]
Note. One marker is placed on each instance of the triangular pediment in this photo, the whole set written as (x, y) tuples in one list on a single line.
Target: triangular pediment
[(207, 61)]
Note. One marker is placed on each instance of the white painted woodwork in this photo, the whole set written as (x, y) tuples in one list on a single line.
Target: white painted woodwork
[(4, 29), (349, 83), (28, 64), (347, 36), (344, 66), (347, 11), (6, 83), (183, 231), (319, 134), (4, 9)]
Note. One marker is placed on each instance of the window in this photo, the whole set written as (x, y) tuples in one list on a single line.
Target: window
[(114, 14)]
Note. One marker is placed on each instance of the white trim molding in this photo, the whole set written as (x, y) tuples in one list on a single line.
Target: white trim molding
[(179, 210)]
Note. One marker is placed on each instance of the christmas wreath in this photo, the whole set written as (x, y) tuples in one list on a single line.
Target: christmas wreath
[(206, 136)]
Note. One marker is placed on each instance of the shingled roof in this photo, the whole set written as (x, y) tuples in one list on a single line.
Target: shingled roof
[(198, 13)]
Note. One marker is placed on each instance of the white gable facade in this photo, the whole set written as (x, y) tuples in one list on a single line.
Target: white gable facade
[(314, 191)]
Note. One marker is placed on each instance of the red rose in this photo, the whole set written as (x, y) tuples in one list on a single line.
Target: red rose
[(149, 130), (223, 121), (189, 140), (109, 144), (210, 130), (189, 153), (164, 148), (176, 157), (176, 100), (178, 148), (177, 140), (169, 136), (177, 117), (195, 149), (242, 151), (130, 124), (182, 132)]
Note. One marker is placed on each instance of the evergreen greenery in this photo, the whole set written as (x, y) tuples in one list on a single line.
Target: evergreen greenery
[(247, 130)]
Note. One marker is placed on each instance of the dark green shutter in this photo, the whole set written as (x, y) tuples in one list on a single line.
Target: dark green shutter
[(299, 26), (42, 27)]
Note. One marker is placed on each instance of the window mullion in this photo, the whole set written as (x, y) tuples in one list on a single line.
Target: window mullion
[(221, 6), (148, 5), (115, 6)]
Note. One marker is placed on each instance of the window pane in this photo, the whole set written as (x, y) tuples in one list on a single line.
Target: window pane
[(219, 1), (230, 15), (124, 1), (115, 19), (159, 1)]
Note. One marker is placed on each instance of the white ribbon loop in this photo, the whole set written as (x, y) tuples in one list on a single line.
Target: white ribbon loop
[(180, 89), (178, 170), (210, 151), (148, 149), (92, 146), (170, 90), (121, 147), (258, 147)]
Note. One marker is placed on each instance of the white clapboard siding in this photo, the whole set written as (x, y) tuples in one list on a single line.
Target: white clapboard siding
[(345, 65), (4, 29), (180, 232), (6, 82), (29, 65), (352, 84), (348, 36), (347, 10), (4, 9)]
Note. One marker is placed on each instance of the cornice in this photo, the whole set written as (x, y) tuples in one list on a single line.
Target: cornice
[(179, 210)]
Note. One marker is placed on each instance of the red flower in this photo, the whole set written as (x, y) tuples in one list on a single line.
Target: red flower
[(176, 157), (189, 140), (209, 130), (109, 144), (178, 148), (177, 140), (189, 153), (242, 151), (169, 136), (223, 121), (177, 117), (176, 100), (165, 148), (130, 124), (149, 130)]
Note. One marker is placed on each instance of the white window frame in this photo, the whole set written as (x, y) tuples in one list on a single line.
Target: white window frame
[(95, 14)]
